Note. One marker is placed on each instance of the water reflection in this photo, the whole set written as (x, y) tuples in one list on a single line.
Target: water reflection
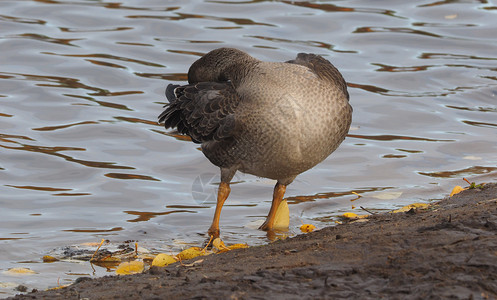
[(72, 83), (55, 151), (44, 38), (318, 44), (53, 128), (480, 124), (336, 8), (478, 109), (476, 170), (130, 176), (38, 188), (396, 138), (330, 195), (146, 216), (94, 230), (112, 57), (397, 30)]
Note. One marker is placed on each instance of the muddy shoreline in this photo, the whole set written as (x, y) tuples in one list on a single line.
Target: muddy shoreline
[(446, 251)]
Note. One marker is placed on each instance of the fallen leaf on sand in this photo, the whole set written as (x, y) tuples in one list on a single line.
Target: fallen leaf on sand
[(132, 267), (238, 246), (456, 190), (162, 260), (410, 206), (350, 216), (58, 287), (307, 227), (190, 253), (219, 244), (221, 247)]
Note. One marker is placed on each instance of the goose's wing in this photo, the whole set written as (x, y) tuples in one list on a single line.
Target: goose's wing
[(204, 111), (322, 68)]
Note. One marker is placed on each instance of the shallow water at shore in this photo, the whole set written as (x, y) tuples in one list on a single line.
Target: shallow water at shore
[(81, 83)]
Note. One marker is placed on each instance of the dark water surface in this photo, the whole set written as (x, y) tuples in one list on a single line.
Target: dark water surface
[(81, 83)]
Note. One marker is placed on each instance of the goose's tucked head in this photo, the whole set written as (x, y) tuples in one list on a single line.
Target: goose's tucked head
[(219, 65)]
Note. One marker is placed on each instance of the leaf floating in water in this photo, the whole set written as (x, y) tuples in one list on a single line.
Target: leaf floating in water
[(162, 260), (282, 216), (132, 267), (19, 271), (307, 227), (411, 206), (49, 259)]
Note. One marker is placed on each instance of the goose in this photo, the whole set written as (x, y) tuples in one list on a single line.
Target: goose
[(269, 119)]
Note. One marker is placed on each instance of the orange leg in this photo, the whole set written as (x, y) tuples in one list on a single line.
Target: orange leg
[(222, 195), (279, 192)]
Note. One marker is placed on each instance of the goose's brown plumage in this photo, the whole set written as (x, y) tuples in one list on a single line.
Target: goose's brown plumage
[(269, 119)]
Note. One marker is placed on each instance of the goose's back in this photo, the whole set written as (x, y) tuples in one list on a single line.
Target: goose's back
[(287, 121)]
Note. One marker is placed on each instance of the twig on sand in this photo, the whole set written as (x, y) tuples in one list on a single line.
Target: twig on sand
[(371, 212)]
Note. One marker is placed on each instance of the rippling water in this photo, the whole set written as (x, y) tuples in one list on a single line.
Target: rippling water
[(82, 82)]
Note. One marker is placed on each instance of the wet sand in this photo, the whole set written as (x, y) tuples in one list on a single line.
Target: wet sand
[(446, 251)]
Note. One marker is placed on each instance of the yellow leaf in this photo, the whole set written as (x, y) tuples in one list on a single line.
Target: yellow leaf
[(19, 271), (49, 259), (350, 216), (354, 216), (162, 260), (219, 244), (91, 244), (221, 247), (307, 227), (132, 267), (456, 190), (190, 253), (410, 206), (282, 217), (58, 287), (238, 246)]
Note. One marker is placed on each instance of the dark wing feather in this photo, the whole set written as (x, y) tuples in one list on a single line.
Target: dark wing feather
[(204, 111), (322, 68)]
